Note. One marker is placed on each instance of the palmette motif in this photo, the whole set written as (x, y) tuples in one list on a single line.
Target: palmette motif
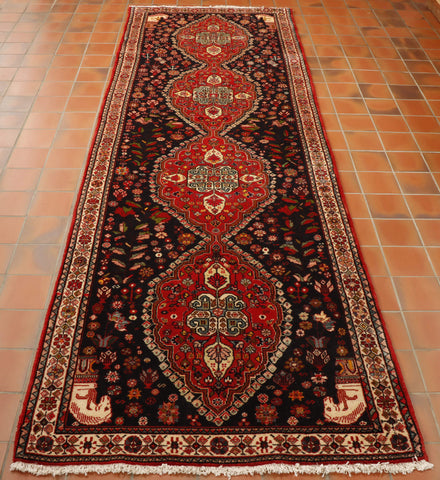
[(212, 309)]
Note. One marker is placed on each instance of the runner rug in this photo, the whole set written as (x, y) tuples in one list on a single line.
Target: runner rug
[(212, 314)]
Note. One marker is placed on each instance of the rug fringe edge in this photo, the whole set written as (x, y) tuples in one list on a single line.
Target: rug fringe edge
[(164, 469)]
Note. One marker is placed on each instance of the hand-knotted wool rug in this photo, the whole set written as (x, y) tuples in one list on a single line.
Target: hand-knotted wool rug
[(212, 314)]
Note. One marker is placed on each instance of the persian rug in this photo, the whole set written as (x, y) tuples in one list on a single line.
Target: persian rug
[(212, 314)]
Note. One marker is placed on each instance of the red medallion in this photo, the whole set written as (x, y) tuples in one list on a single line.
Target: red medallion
[(217, 320)]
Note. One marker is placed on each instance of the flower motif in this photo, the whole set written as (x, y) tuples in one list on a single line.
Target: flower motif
[(300, 411), (114, 390), (399, 442), (133, 444), (143, 421), (319, 378), (132, 363), (294, 364), (341, 351), (296, 395), (306, 325), (292, 421), (62, 341), (74, 284), (186, 239), (112, 376), (320, 392), (310, 444), (134, 393), (266, 414), (133, 409), (48, 403), (44, 444), (168, 413), (278, 270)]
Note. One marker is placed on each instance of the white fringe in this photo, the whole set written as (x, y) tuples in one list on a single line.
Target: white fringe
[(164, 469)]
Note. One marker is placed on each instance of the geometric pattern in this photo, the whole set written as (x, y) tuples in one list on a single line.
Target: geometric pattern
[(212, 314)]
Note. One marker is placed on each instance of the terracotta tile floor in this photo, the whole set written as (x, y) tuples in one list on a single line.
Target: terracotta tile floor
[(376, 67)]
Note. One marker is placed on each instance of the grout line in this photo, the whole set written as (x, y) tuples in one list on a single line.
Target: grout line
[(411, 132), (420, 371)]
